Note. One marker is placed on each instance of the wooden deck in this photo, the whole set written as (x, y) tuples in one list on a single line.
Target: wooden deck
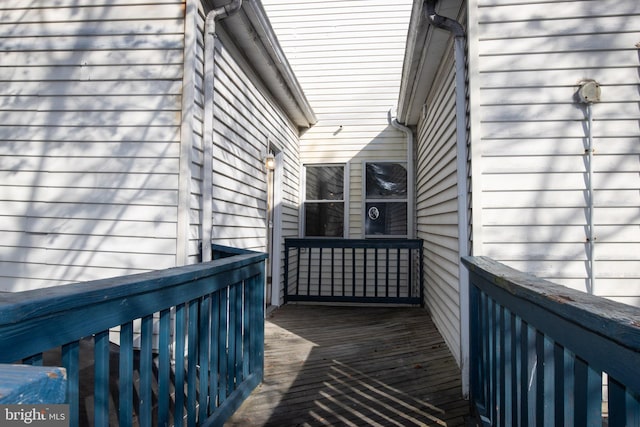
[(357, 366)]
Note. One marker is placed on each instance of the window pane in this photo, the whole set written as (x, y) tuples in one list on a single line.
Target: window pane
[(386, 181), (389, 219), (324, 219), (325, 183)]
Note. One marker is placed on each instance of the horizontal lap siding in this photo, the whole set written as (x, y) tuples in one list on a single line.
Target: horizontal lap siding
[(246, 119), (347, 56), (89, 139), (532, 167), (437, 217)]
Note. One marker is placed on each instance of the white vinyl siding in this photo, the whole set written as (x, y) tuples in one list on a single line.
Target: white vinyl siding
[(347, 56), (90, 105), (530, 135), (437, 206), (245, 121)]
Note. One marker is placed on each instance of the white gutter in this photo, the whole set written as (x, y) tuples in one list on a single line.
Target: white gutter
[(462, 175), (209, 72)]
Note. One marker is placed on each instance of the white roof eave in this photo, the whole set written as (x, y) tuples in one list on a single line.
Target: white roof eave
[(252, 33), (425, 48)]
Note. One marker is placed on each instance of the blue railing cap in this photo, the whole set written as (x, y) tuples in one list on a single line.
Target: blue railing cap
[(17, 306), (619, 322)]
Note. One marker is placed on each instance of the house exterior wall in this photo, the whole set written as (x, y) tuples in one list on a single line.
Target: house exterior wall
[(347, 55), (530, 170), (102, 116), (89, 136), (245, 123), (437, 205)]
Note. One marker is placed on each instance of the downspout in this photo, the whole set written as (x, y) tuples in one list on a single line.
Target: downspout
[(209, 75), (411, 202), (456, 29)]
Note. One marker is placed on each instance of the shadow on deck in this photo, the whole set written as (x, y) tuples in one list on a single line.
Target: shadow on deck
[(354, 366)]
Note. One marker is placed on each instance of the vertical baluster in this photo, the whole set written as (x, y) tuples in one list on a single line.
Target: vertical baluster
[(474, 345), (309, 264), (569, 391), (353, 272), (484, 358), (178, 412), (344, 279), (204, 335), (524, 374), (164, 368), (624, 405), (246, 329), (71, 362), (231, 340), (320, 271), (259, 324), (548, 384), (222, 346), (238, 334), (494, 331), (333, 265), (192, 361), (558, 385), (588, 394), (539, 363), (398, 272), (286, 271), (617, 404), (515, 371), (101, 379), (375, 277), (125, 386), (298, 272), (364, 272), (146, 372), (215, 359), (409, 271), (505, 367), (386, 274)]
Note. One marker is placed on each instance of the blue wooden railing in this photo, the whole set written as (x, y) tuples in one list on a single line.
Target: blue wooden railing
[(353, 270), (193, 354), (542, 354)]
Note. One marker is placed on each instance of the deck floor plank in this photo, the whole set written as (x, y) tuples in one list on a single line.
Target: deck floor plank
[(354, 366)]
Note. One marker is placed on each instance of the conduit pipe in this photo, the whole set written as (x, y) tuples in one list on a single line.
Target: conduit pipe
[(588, 93), (209, 75), (456, 29), (411, 202)]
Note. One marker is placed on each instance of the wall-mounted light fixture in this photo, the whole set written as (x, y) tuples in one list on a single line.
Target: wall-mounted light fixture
[(270, 162)]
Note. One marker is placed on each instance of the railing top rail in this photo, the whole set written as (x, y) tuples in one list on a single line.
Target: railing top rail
[(54, 316), (353, 243), (18, 306), (619, 323)]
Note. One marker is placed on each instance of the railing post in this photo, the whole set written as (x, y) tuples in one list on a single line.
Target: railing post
[(286, 271)]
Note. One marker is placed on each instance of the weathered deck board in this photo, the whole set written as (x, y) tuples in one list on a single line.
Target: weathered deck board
[(354, 366)]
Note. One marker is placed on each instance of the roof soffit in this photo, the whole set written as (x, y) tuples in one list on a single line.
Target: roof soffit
[(426, 46)]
